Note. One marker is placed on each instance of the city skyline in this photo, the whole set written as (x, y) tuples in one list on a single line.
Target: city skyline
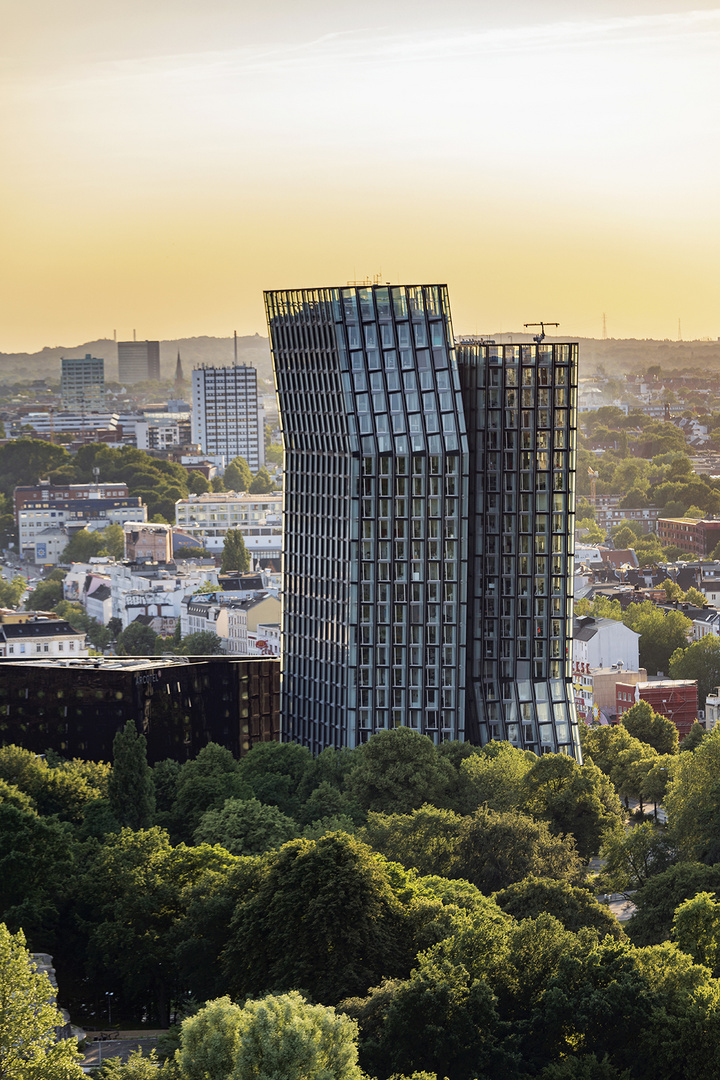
[(168, 165)]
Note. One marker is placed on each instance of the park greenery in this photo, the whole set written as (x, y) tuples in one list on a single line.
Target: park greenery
[(397, 910)]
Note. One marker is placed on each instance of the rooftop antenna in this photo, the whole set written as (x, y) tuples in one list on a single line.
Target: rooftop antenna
[(235, 345), (134, 336), (541, 336)]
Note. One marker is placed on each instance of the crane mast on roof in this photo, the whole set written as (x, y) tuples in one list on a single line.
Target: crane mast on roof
[(541, 336)]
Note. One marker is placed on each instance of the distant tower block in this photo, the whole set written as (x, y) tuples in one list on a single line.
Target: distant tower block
[(138, 361)]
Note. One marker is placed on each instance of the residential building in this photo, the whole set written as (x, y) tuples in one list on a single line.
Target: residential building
[(208, 517), (73, 514), (602, 643), (47, 546), (607, 517), (180, 704), (697, 537), (151, 541), (155, 589), (226, 414), (243, 618), (160, 432), (40, 635), (712, 710), (428, 513), (98, 599), (82, 383), (266, 640), (138, 361), (677, 699), (37, 495)]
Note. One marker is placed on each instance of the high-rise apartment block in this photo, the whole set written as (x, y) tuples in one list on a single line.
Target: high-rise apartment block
[(226, 416), (82, 383), (138, 361), (429, 504)]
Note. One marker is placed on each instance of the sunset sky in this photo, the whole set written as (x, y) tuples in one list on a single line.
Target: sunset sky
[(164, 161)]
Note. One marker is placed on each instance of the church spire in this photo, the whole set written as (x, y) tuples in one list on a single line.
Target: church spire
[(178, 370)]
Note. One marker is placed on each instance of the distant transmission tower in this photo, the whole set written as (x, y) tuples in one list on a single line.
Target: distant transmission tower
[(604, 326), (679, 331)]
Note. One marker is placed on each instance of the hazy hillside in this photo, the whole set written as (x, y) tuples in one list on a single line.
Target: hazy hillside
[(615, 356), (253, 350)]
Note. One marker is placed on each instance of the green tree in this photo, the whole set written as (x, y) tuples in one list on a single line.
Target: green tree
[(658, 899), (237, 475), (693, 738), (274, 454), (245, 827), (201, 643), (114, 541), (262, 482), (324, 915), (574, 799), (495, 850), (279, 1036), (493, 777), (696, 928), (203, 784), (397, 771), (423, 840), (137, 1067), (672, 590), (46, 595), (210, 1041), (693, 799), (276, 772), (29, 1047), (11, 591), (235, 555), (700, 661), (197, 483), (24, 461), (632, 857), (573, 905), (82, 546), (284, 1036), (137, 639), (131, 791), (660, 634), (600, 607), (37, 863), (695, 597), (624, 538), (650, 727), (136, 884)]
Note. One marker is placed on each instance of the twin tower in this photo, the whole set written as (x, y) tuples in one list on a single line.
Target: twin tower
[(428, 523)]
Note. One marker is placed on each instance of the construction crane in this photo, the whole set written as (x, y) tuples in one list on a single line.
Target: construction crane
[(541, 336), (593, 474)]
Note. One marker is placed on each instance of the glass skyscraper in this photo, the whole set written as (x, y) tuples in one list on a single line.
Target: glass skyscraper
[(428, 513)]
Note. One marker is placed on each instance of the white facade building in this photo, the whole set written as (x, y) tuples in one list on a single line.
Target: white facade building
[(38, 635), (602, 643), (258, 517), (227, 417)]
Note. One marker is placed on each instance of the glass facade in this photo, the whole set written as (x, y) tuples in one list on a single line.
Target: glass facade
[(394, 529)]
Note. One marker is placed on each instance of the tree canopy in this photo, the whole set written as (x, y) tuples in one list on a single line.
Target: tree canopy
[(29, 1047)]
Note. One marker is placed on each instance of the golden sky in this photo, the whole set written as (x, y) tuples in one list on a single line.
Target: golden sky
[(164, 161)]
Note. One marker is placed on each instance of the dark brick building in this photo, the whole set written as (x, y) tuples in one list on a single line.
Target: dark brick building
[(76, 706)]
